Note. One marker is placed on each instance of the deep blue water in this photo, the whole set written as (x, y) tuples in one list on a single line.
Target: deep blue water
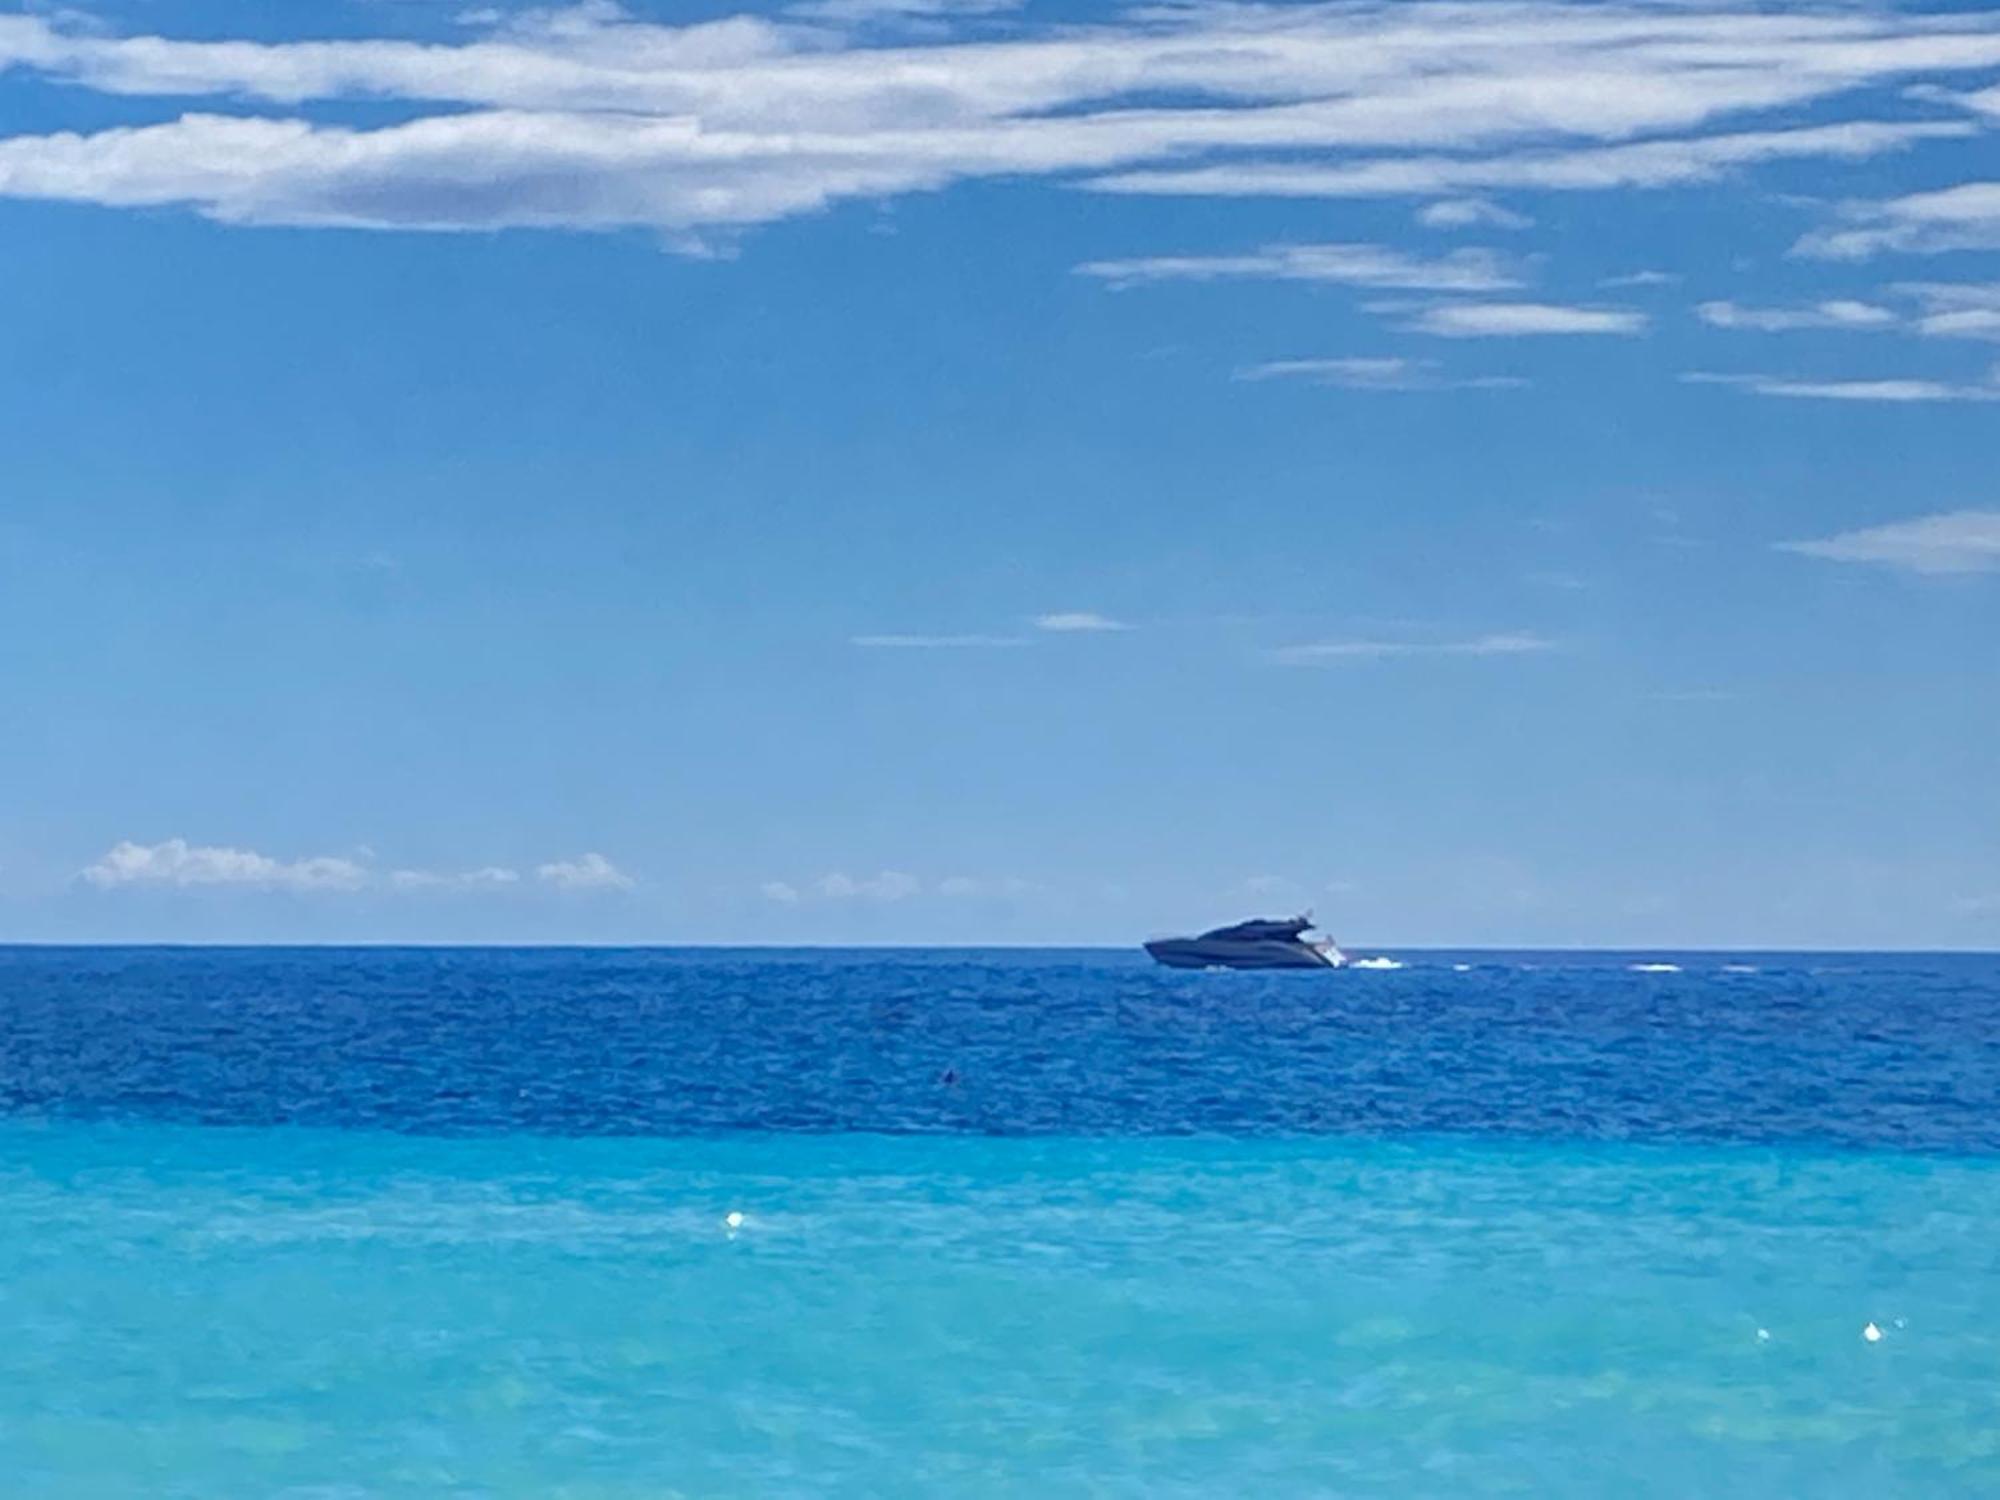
[(546, 1225), (1850, 1050)]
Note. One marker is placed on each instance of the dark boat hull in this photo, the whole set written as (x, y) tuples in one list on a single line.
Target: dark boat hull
[(1201, 953)]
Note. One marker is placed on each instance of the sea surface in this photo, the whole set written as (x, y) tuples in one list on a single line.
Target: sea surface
[(329, 1224)]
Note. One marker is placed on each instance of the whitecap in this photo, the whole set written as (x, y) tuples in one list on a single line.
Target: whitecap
[(1656, 968), (1376, 963)]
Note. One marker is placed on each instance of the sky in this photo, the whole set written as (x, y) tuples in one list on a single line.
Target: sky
[(948, 471)]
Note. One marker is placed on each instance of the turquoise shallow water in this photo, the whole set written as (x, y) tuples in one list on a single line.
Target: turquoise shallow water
[(250, 1312)]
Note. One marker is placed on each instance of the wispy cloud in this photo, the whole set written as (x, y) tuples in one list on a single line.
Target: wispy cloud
[(176, 862), (586, 872), (972, 888), (1640, 278), (1060, 622), (1639, 165), (889, 885), (934, 642), (489, 878), (1963, 310), (1509, 643), (1475, 320), (1375, 266), (1966, 217), (1961, 541), (179, 864), (1470, 213), (875, 12), (1078, 621), (1375, 373), (1841, 313), (587, 118), (1896, 391)]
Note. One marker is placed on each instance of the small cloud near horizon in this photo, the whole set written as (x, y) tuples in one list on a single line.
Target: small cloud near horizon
[(492, 877), (889, 885), (970, 888), (587, 872), (176, 862), (180, 865)]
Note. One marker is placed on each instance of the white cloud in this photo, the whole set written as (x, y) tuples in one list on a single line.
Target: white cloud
[(1895, 390), (933, 642), (1509, 643), (175, 862), (1374, 373), (489, 878), (1964, 310), (1078, 621), (587, 872), (587, 118), (1840, 313), (1962, 541), (1966, 217), (889, 885), (1466, 320), (871, 12), (1467, 213), (1639, 164), (968, 888), (1641, 278), (1377, 266)]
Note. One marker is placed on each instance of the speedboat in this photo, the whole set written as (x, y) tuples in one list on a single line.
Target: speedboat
[(1287, 943)]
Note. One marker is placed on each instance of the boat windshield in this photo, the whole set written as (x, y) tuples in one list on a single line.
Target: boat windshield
[(1264, 931)]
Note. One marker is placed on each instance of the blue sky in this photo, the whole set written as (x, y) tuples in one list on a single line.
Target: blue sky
[(1494, 474)]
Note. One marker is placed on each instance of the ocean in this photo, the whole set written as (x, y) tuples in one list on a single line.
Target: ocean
[(328, 1224)]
